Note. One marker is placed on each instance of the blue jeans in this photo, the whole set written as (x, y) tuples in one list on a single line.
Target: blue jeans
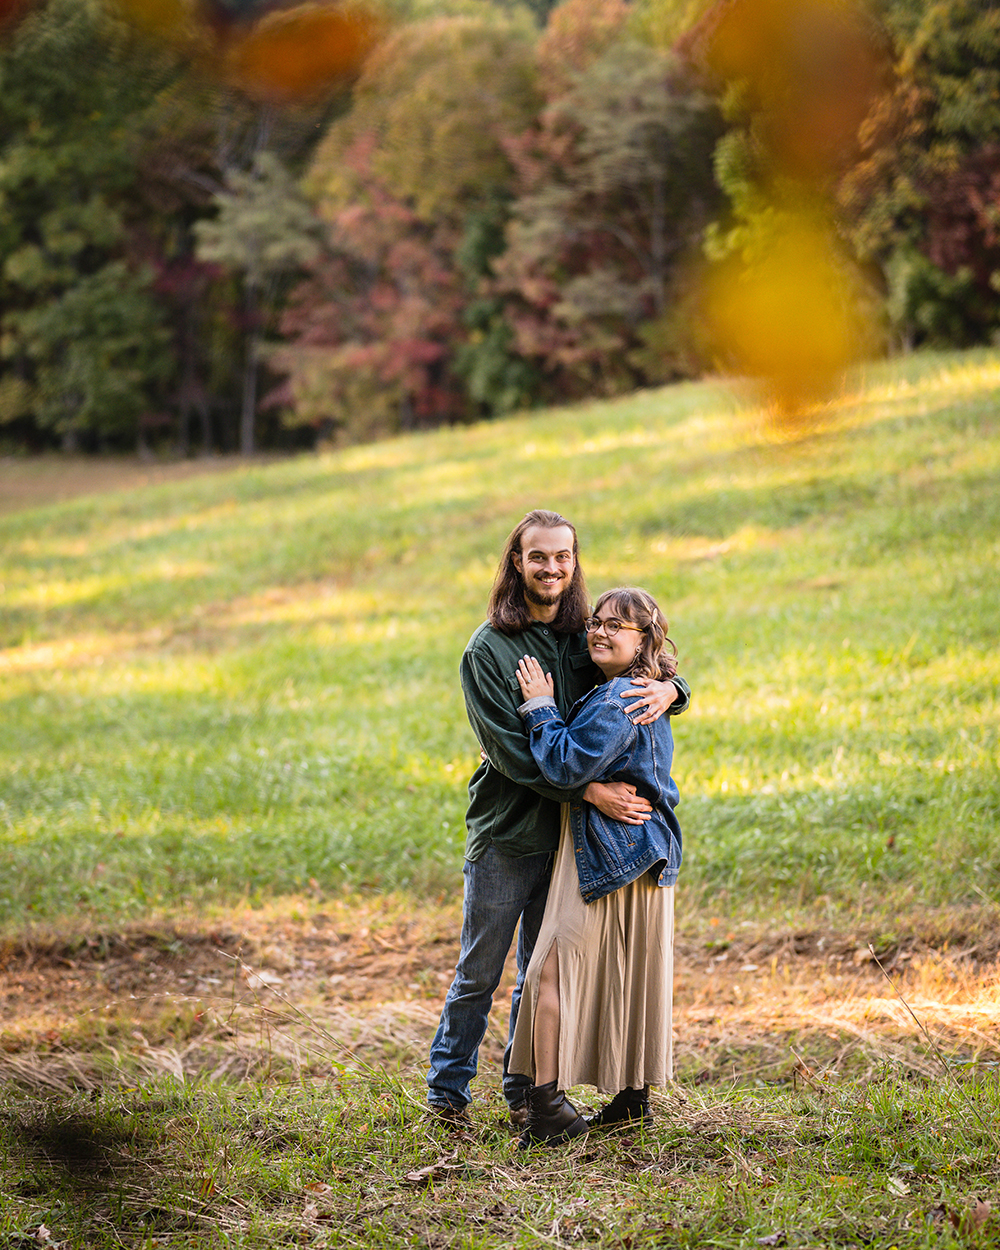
[(499, 891)]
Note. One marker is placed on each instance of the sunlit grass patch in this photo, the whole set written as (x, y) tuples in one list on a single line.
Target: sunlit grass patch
[(276, 648)]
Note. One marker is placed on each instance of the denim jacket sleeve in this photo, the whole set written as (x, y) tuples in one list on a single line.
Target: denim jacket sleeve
[(501, 732), (586, 750)]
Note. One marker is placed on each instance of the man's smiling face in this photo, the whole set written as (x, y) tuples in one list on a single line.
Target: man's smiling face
[(546, 564)]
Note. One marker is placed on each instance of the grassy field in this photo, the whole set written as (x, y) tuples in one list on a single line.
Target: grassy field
[(244, 684), (236, 695), (355, 1166)]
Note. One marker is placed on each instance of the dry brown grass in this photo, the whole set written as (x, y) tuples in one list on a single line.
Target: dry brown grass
[(308, 989)]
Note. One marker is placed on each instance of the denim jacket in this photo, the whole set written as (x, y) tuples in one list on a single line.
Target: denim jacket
[(598, 742), (511, 805)]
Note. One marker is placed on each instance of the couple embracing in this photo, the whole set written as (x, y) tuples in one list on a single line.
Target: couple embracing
[(572, 833)]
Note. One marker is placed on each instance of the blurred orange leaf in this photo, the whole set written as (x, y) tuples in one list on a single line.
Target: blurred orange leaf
[(789, 314), (297, 53)]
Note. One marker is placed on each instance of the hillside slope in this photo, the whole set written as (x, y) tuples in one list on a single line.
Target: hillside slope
[(244, 684)]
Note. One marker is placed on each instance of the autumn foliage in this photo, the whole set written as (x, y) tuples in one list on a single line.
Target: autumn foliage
[(228, 225), (506, 222)]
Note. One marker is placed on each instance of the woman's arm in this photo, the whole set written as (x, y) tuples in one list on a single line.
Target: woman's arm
[(501, 732), (572, 755)]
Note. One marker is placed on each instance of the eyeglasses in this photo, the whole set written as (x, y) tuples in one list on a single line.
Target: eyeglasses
[(611, 626)]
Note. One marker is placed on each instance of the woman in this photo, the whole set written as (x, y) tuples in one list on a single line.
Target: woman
[(598, 988)]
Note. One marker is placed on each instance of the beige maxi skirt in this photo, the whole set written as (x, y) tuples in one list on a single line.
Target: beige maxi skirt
[(616, 970)]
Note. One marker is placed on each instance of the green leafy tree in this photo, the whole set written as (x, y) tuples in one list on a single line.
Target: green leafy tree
[(496, 378), (923, 203), (95, 349), (197, 151), (111, 150), (438, 97), (82, 344), (265, 231)]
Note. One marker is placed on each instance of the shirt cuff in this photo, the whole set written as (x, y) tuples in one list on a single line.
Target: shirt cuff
[(540, 700)]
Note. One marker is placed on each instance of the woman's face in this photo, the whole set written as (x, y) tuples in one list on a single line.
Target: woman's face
[(612, 652)]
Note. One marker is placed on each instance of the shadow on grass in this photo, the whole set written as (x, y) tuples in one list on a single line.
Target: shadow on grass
[(94, 1167)]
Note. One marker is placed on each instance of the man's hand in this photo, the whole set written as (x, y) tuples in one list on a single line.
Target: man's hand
[(652, 699), (619, 800)]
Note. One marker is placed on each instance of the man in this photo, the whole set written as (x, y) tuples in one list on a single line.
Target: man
[(537, 606)]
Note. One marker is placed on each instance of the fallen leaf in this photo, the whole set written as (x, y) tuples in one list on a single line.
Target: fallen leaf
[(436, 1171), (969, 1220), (257, 980), (897, 1186), (318, 1187), (44, 1238), (976, 1216)]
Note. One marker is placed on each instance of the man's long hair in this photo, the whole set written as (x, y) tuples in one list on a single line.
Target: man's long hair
[(508, 609), (657, 654)]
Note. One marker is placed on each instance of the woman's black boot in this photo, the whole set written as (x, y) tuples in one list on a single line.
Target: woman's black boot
[(552, 1118), (627, 1104)]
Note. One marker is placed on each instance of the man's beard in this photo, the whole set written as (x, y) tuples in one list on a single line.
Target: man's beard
[(543, 601)]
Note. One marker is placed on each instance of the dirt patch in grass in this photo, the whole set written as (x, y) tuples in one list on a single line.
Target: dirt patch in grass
[(353, 983)]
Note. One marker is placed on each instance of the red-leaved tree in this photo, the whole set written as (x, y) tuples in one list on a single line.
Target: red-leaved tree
[(614, 189), (374, 330)]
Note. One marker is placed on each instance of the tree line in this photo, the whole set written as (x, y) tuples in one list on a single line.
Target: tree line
[(509, 206)]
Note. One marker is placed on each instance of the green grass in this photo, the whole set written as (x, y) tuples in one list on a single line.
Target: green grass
[(244, 685), (333, 1165)]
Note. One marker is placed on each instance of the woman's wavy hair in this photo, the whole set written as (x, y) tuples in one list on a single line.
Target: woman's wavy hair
[(508, 609), (657, 656)]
